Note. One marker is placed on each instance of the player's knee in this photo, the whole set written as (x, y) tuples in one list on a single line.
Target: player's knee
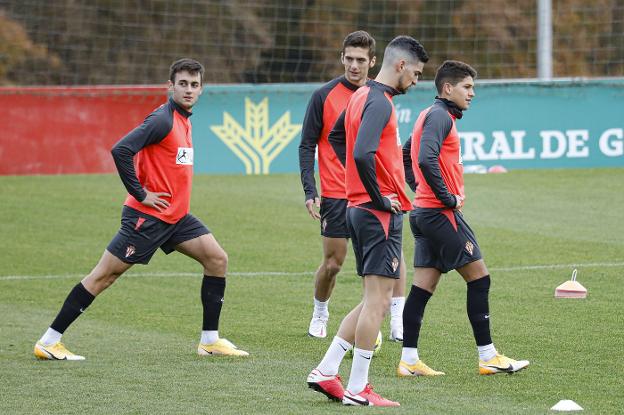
[(108, 280), (380, 307), (98, 282), (216, 264), (426, 283), (385, 306), (332, 267), (430, 286)]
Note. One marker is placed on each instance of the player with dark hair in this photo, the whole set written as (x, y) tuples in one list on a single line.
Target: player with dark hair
[(326, 103), (375, 183), (444, 241), (155, 164)]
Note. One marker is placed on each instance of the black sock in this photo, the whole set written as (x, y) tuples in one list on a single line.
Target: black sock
[(212, 291), (413, 314), (477, 306), (76, 302)]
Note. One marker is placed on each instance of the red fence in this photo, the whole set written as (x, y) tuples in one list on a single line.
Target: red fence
[(65, 130)]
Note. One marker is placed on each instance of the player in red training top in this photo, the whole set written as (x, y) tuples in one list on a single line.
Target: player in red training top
[(444, 241), (155, 163), (326, 103), (376, 197)]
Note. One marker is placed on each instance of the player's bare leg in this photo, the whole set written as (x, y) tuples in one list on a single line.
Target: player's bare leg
[(427, 278), (206, 250), (105, 273), (377, 295), (348, 325), (334, 253), (473, 271)]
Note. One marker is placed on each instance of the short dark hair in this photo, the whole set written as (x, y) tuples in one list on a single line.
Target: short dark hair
[(453, 72), (408, 45), (360, 39), (186, 64)]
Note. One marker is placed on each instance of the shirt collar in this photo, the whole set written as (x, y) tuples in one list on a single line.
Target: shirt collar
[(347, 84), (384, 87), (178, 108), (451, 107)]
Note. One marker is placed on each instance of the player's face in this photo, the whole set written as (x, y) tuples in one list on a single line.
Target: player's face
[(356, 63), (410, 74), (186, 89), (462, 93)]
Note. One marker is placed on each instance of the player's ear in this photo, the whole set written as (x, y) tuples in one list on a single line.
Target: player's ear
[(372, 62), (400, 65), (342, 57), (169, 84), (448, 88)]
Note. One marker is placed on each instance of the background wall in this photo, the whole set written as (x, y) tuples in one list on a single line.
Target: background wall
[(56, 130), (255, 129)]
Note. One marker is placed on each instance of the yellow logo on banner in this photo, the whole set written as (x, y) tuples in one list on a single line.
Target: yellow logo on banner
[(257, 144)]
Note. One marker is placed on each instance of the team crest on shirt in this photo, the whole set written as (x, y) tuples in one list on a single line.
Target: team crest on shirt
[(185, 156), (130, 250), (395, 264), (469, 247)]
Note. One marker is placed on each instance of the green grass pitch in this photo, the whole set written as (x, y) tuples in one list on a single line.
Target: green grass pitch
[(140, 336)]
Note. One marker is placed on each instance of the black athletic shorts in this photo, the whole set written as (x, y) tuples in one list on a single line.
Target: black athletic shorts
[(334, 218), (141, 235), (376, 237), (443, 239)]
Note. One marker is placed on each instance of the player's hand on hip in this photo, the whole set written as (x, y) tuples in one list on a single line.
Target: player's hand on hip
[(459, 202), (313, 205), (155, 200), (395, 205)]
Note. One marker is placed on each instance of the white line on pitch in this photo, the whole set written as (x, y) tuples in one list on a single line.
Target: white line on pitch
[(559, 266), (155, 274), (308, 273)]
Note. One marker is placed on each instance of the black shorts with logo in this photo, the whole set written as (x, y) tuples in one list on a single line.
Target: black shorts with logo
[(334, 218), (443, 239), (376, 237), (141, 235)]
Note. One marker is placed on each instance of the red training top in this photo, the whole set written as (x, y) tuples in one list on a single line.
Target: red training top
[(163, 163), (436, 156), (374, 163), (323, 109)]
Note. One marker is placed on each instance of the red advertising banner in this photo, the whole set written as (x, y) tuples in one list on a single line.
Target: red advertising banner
[(69, 130)]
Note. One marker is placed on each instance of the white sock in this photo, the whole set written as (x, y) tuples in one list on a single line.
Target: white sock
[(487, 352), (396, 307), (410, 355), (50, 337), (209, 336), (359, 370), (334, 355), (321, 308)]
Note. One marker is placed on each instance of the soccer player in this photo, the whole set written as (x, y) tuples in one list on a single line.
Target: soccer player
[(376, 202), (444, 241), (326, 103), (155, 163)]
